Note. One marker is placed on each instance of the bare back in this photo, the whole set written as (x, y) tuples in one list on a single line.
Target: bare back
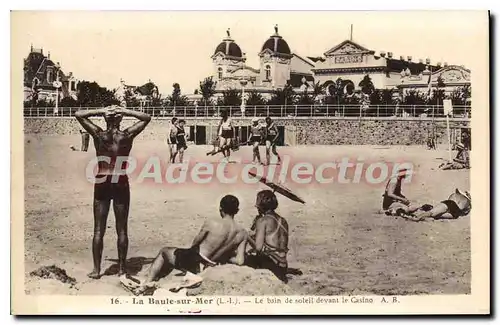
[(222, 239), (112, 143), (276, 231)]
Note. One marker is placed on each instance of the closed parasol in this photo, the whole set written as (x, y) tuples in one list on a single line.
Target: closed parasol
[(280, 188)]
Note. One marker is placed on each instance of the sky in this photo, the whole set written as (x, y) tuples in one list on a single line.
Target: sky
[(167, 47)]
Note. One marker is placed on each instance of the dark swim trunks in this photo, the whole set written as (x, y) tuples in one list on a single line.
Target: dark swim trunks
[(109, 189), (189, 259), (227, 134), (453, 208), (255, 138)]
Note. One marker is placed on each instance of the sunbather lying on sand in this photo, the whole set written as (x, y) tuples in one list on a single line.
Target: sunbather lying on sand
[(457, 205)]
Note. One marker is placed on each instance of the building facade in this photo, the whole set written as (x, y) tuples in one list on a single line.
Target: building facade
[(45, 80), (349, 61), (277, 67)]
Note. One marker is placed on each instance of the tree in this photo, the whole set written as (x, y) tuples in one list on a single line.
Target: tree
[(305, 98), (90, 94), (366, 85), (230, 97), (317, 91), (438, 94), (284, 96), (335, 92), (255, 99), (207, 90), (68, 102), (131, 100)]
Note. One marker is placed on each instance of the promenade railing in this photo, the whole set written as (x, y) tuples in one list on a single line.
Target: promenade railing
[(285, 111)]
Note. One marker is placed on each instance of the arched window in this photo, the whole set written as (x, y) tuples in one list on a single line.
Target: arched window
[(219, 72), (268, 72), (49, 76)]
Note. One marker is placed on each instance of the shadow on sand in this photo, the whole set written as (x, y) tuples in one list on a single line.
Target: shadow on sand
[(134, 265)]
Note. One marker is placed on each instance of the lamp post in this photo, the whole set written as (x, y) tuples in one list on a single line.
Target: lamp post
[(243, 83), (57, 84)]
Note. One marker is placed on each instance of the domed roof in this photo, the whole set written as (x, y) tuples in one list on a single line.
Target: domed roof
[(276, 44), (229, 47)]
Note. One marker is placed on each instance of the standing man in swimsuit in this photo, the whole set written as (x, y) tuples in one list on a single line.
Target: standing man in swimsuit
[(226, 133), (269, 236), (271, 138), (172, 139), (255, 139), (219, 241), (111, 181)]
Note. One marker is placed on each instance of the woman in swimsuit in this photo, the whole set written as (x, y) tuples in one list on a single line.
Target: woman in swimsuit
[(269, 236), (255, 139), (172, 139), (226, 133), (181, 140)]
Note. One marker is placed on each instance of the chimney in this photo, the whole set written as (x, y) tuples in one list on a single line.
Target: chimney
[(382, 54), (31, 47), (446, 64), (389, 55), (428, 61), (421, 61), (401, 57), (48, 55), (439, 64), (409, 58)]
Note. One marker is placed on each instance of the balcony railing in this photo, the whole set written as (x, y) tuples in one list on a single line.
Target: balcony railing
[(285, 111)]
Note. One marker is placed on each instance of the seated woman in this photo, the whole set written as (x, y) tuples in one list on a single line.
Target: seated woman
[(269, 237), (461, 161), (394, 202), (457, 205)]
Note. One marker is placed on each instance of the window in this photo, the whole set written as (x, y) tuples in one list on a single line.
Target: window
[(219, 71), (268, 72), (49, 76)]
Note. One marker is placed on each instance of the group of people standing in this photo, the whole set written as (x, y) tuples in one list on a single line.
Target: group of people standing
[(260, 134), (177, 139)]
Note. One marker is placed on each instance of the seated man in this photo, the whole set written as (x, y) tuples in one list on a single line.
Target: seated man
[(461, 161), (218, 242), (395, 203), (458, 204), (269, 239)]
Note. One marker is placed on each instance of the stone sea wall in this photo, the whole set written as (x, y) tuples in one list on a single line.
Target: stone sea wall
[(300, 131)]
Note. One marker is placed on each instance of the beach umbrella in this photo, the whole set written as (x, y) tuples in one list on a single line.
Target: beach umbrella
[(280, 188)]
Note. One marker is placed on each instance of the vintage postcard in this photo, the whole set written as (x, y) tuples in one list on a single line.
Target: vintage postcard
[(319, 162)]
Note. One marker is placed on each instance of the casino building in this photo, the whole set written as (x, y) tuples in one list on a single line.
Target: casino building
[(348, 60)]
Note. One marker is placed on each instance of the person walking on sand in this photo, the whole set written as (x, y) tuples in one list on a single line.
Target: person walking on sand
[(111, 183), (255, 138), (226, 134), (272, 136)]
